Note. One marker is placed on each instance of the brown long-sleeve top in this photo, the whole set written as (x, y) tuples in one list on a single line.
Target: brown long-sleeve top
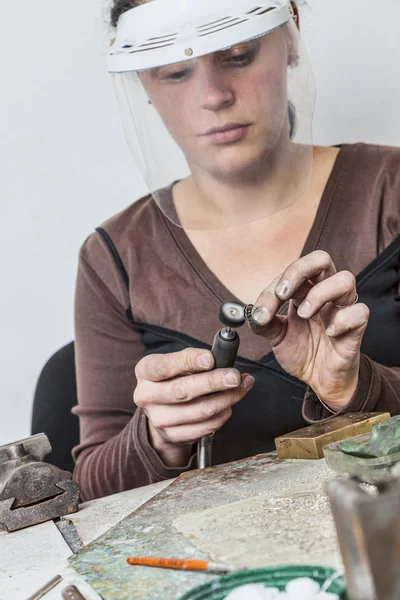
[(162, 297)]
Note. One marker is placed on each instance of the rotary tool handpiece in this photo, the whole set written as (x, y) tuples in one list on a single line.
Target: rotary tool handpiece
[(224, 349)]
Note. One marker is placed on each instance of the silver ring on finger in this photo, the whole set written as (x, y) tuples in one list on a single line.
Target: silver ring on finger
[(346, 305)]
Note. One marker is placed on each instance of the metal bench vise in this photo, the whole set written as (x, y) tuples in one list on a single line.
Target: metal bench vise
[(32, 491)]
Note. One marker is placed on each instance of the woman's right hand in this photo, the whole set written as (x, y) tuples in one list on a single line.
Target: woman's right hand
[(185, 399)]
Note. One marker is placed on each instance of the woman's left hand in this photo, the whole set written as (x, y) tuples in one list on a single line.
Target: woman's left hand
[(319, 340)]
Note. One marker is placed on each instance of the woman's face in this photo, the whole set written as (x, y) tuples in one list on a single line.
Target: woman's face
[(228, 109)]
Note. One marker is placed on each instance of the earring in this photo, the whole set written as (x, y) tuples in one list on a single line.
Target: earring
[(149, 102), (294, 61)]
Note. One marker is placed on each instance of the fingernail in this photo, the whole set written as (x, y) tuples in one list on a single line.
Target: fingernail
[(204, 361), (282, 288), (331, 330), (261, 315), (304, 309), (231, 379), (248, 382)]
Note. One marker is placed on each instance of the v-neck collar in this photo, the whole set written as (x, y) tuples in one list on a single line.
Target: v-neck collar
[(268, 359), (211, 281)]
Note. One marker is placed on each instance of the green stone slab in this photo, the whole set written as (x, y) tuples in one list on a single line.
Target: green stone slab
[(149, 531), (384, 441)]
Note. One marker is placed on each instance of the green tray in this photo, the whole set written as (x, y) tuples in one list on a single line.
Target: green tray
[(278, 577)]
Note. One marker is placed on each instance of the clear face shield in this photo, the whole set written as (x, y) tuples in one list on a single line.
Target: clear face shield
[(217, 100)]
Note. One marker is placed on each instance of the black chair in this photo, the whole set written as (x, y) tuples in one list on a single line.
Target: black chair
[(55, 395)]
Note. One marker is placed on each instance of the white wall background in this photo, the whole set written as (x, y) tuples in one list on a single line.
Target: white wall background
[(65, 167)]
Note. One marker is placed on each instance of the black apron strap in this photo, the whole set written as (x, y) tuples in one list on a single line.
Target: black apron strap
[(119, 265)]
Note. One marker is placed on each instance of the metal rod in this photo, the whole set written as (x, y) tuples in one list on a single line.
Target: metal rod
[(46, 588), (204, 446)]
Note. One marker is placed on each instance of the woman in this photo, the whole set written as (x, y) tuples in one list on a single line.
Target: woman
[(250, 221)]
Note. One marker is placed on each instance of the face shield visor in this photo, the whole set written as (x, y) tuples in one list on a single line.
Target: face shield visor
[(217, 100)]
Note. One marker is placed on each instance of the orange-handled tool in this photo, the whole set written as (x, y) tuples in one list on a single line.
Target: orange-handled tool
[(183, 564)]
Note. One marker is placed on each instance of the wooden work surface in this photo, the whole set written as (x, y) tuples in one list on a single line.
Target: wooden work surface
[(150, 530)]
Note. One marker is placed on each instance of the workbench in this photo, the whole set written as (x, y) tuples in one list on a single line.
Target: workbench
[(29, 558)]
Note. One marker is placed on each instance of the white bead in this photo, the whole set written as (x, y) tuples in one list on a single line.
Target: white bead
[(253, 591), (273, 593), (302, 588)]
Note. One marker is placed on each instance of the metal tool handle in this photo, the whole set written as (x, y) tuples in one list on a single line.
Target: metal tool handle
[(71, 592), (224, 349)]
